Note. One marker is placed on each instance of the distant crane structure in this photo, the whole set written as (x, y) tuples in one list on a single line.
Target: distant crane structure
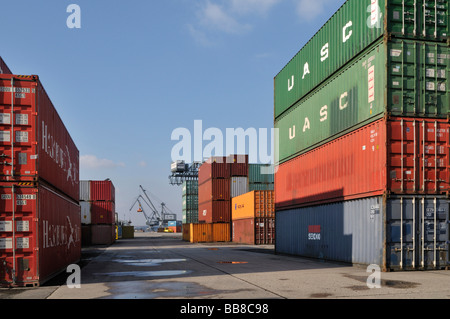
[(155, 218), (183, 172)]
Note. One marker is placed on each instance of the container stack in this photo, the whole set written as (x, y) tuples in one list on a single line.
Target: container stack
[(97, 201), (260, 177), (175, 226), (190, 201), (253, 218), (362, 112), (40, 226)]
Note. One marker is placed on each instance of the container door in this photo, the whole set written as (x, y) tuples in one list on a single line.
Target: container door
[(17, 129), (417, 233), (424, 19), (418, 80), (18, 239)]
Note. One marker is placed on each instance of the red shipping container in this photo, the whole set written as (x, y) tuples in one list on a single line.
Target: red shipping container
[(238, 165), (214, 167), (254, 231), (102, 212), (214, 212), (214, 189), (102, 234), (102, 190), (40, 234), (34, 143), (398, 156), (4, 68)]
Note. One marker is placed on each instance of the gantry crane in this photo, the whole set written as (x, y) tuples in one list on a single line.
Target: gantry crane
[(155, 218)]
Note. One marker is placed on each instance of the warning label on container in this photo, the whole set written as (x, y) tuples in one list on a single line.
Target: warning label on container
[(23, 225), (5, 136), (5, 118), (5, 226), (23, 243), (5, 243), (371, 84)]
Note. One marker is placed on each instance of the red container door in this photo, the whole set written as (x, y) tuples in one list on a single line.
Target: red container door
[(40, 234), (215, 167), (32, 134), (214, 189), (418, 156), (238, 165)]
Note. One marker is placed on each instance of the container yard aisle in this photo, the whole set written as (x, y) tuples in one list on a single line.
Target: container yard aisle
[(162, 266)]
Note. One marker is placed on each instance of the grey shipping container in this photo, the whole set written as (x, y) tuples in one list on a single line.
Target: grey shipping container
[(397, 233), (239, 186)]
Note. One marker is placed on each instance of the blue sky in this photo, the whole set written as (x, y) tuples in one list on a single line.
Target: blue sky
[(137, 70)]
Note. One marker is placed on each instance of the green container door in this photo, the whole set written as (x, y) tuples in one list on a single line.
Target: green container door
[(190, 187), (401, 78), (350, 31), (418, 19)]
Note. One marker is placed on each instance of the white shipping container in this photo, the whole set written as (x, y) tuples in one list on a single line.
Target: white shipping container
[(85, 213), (85, 190), (239, 186)]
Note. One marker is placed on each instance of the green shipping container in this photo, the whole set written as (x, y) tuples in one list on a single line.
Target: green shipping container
[(190, 202), (260, 187), (352, 29), (400, 78), (260, 173), (190, 187), (190, 216)]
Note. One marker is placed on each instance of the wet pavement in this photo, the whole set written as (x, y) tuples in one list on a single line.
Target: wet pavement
[(162, 266)]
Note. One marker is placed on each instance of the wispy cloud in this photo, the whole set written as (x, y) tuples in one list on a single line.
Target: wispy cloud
[(259, 7), (311, 9), (217, 17), (92, 162)]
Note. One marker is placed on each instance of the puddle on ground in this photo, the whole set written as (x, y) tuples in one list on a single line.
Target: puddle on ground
[(147, 262), (158, 273), (153, 290)]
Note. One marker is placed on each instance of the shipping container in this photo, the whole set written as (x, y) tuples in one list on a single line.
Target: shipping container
[(254, 231), (174, 223), (261, 173), (85, 212), (40, 234), (190, 187), (102, 212), (214, 189), (213, 168), (85, 190), (127, 232), (239, 186), (4, 68), (255, 204), (238, 165), (206, 233), (103, 234), (353, 28), (398, 78), (214, 211), (103, 191), (397, 156), (190, 216), (261, 187), (395, 233), (190, 202), (34, 143)]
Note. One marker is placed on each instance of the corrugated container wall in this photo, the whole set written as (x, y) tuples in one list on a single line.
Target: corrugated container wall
[(218, 211), (239, 186), (4, 68), (190, 187), (359, 94), (396, 156), (214, 167), (197, 233), (40, 147), (353, 28), (85, 190), (40, 234), (102, 191), (254, 231), (255, 204), (402, 233)]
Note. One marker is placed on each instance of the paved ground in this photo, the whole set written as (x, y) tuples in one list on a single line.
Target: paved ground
[(162, 266)]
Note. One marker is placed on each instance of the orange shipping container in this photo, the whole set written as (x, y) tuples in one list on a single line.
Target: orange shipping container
[(255, 204), (206, 233)]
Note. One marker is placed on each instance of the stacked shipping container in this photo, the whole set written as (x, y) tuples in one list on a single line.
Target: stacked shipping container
[(253, 218), (364, 137), (97, 201), (190, 201), (40, 222)]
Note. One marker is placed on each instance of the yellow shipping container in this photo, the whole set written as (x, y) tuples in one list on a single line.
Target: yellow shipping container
[(207, 233), (255, 204), (127, 232)]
